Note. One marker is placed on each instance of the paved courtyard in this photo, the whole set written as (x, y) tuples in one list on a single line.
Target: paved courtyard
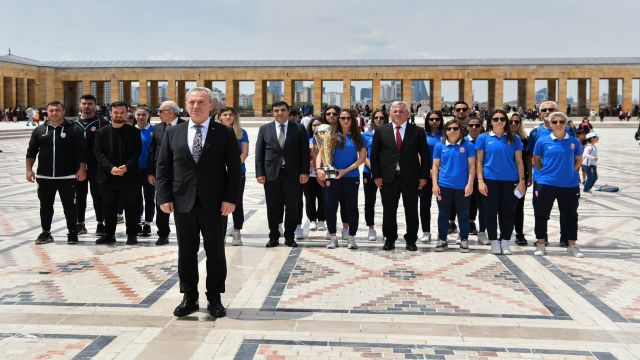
[(115, 302)]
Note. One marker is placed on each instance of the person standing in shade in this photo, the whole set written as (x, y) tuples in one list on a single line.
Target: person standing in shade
[(378, 119), (117, 149), (350, 154), (476, 201), (146, 191), (282, 164), (557, 156), (168, 112), (198, 178), (400, 162), (59, 147), (500, 173), (228, 116), (517, 128), (434, 128), (312, 189), (590, 161), (89, 122), (452, 175)]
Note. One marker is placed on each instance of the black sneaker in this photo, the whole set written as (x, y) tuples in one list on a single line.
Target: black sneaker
[(146, 230), (564, 243), (119, 219), (441, 246), (521, 240), (452, 228), (81, 229), (100, 229), (132, 240), (106, 240), (44, 238), (472, 228), (72, 238)]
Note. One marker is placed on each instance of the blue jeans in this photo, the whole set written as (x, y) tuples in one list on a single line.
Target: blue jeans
[(592, 176), (449, 199)]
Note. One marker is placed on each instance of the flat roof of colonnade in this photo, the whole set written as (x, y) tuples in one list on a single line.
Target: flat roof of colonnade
[(323, 63)]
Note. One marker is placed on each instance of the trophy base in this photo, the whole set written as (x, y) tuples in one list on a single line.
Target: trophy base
[(330, 173)]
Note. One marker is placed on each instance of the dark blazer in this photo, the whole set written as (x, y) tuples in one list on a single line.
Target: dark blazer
[(214, 179), (269, 154), (130, 146), (414, 157), (156, 142)]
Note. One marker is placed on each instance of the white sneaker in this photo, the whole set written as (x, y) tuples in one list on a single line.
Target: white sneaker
[(313, 226), (352, 243), (321, 226), (327, 236), (464, 246), (505, 246), (237, 239), (230, 231), (333, 243), (482, 238), (426, 237), (373, 236), (299, 233), (575, 251), (281, 229), (345, 233), (540, 250), (458, 239), (495, 247)]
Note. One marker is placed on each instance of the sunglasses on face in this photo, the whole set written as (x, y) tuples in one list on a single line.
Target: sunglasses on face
[(434, 119), (499, 119), (453, 129), (460, 109), (378, 117), (331, 114), (473, 126), (514, 122), (548, 110), (345, 118), (559, 122)]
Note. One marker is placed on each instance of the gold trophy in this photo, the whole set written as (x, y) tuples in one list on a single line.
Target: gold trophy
[(326, 140)]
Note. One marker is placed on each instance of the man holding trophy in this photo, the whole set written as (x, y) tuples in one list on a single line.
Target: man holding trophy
[(282, 166)]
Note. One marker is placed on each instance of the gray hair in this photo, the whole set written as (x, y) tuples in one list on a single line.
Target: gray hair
[(172, 106), (557, 114), (201, 89), (398, 103), (555, 104)]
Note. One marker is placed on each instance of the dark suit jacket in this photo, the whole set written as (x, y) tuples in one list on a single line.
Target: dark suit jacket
[(269, 154), (214, 179), (130, 147), (414, 157), (156, 142)]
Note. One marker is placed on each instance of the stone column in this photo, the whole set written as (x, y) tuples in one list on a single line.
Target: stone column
[(86, 88), (144, 93), (171, 90), (499, 93), (613, 92), (562, 94), (153, 92), (346, 93), (491, 93), (406, 91), (522, 93), (259, 98), (375, 94), (10, 92), (201, 82), (32, 93), (531, 92), (436, 91), (231, 92), (552, 90), (289, 91), (467, 91), (582, 97), (627, 92), (317, 95), (126, 91), (115, 90), (21, 92), (208, 84), (594, 97), (100, 92), (3, 103), (180, 93)]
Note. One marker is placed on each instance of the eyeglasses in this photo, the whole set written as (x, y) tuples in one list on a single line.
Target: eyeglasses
[(435, 119), (163, 111), (475, 125), (345, 118), (548, 110), (514, 122), (331, 114), (454, 129), (499, 119), (378, 117), (559, 122), (461, 109)]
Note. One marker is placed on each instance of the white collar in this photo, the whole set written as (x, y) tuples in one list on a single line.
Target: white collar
[(286, 123), (566, 136), (403, 126), (447, 143), (174, 122), (204, 124), (491, 133)]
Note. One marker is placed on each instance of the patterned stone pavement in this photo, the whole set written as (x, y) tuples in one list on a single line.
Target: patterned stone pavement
[(115, 302)]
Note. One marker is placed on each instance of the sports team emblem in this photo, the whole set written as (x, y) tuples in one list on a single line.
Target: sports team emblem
[(93, 128), (573, 146), (63, 135), (461, 150)]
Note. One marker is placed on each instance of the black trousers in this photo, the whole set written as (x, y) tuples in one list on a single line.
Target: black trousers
[(279, 194), (146, 206), (563, 230), (47, 189), (344, 191), (82, 188), (519, 216), (568, 201), (212, 226), (120, 193), (238, 213), (313, 193), (162, 222), (500, 205), (370, 194), (390, 197), (476, 207), (426, 194)]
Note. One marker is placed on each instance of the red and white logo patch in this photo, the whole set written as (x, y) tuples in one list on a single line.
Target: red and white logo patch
[(573, 146), (93, 128), (63, 135), (461, 150)]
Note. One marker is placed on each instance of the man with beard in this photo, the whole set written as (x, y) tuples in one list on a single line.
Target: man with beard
[(117, 148), (89, 122)]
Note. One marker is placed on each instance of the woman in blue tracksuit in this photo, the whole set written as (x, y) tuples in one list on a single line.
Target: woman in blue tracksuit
[(557, 158), (452, 175), (500, 177), (378, 119), (350, 154), (434, 125), (476, 203)]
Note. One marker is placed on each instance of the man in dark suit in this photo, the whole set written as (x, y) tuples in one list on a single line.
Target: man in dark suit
[(400, 165), (198, 176), (282, 165), (117, 148), (168, 113)]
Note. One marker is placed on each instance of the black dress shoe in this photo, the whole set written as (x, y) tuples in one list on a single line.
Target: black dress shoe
[(72, 238), (106, 240), (162, 240), (291, 243), (389, 245), (100, 229), (411, 246), (521, 240), (186, 307), (146, 230), (273, 243), (564, 243), (216, 309), (132, 240)]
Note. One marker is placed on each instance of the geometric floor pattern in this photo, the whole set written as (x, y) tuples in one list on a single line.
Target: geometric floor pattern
[(115, 302)]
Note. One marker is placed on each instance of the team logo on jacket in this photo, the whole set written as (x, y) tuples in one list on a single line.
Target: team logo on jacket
[(573, 146), (63, 135), (461, 150), (93, 128)]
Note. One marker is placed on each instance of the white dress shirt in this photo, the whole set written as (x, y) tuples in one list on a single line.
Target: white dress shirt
[(286, 127), (191, 133)]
